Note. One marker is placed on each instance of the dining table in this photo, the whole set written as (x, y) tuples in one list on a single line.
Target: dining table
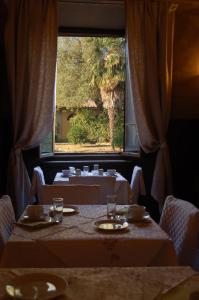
[(144, 283), (122, 187), (78, 241)]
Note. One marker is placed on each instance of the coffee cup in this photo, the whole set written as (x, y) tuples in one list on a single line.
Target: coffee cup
[(34, 211), (136, 212), (111, 172), (72, 170), (78, 172), (101, 172), (65, 173)]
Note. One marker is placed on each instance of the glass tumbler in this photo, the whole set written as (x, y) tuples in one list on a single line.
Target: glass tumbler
[(111, 206), (86, 170), (58, 204)]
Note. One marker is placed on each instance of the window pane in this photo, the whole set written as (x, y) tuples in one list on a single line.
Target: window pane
[(131, 136), (47, 145), (90, 94)]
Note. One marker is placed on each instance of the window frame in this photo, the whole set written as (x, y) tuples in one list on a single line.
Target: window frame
[(94, 32)]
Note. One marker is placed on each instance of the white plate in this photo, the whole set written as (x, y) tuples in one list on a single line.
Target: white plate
[(40, 286), (111, 225), (70, 210), (27, 218), (36, 225)]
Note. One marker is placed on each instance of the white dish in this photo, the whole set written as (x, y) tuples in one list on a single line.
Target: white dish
[(27, 218), (70, 210), (63, 175), (40, 286), (36, 225), (111, 225)]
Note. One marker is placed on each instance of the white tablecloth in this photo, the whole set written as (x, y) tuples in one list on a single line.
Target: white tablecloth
[(122, 188), (76, 243), (117, 283)]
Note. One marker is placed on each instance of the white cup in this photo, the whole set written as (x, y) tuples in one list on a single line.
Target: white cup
[(65, 173), (86, 169), (78, 172), (101, 172), (136, 212), (111, 172), (34, 211), (72, 170)]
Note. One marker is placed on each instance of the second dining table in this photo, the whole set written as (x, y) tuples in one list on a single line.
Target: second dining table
[(77, 242), (122, 187)]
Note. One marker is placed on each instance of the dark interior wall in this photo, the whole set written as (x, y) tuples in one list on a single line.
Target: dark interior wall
[(184, 125), (5, 107)]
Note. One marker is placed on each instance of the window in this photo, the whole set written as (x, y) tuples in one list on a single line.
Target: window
[(90, 97)]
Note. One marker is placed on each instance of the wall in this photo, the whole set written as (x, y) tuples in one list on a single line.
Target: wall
[(184, 125), (186, 64), (5, 108)]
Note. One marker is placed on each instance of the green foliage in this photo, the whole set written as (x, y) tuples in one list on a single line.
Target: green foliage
[(84, 65), (87, 127), (77, 135), (118, 135), (91, 68)]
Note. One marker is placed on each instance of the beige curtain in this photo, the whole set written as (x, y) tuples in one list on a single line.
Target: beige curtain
[(150, 31), (31, 45)]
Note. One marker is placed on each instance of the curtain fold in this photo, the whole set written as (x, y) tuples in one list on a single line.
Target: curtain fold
[(31, 47), (150, 32)]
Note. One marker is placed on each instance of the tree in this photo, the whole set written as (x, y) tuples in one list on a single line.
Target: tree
[(91, 68), (73, 87), (105, 64)]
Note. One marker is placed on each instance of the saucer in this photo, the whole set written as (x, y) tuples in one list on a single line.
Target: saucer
[(34, 225), (41, 286), (27, 218), (67, 210), (145, 218), (70, 210), (111, 225)]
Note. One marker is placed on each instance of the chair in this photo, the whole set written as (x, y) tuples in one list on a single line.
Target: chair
[(180, 220), (71, 193), (107, 184), (137, 184), (7, 219), (37, 181)]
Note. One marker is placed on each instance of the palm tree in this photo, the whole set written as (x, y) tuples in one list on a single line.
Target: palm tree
[(105, 63)]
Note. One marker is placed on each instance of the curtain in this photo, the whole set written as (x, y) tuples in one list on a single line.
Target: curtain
[(150, 32), (31, 46)]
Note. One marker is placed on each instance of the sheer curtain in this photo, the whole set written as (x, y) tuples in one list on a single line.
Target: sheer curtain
[(31, 46), (150, 31)]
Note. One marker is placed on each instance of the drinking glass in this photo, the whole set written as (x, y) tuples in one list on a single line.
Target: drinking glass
[(111, 206), (101, 172), (72, 170), (95, 169), (86, 170), (58, 204)]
